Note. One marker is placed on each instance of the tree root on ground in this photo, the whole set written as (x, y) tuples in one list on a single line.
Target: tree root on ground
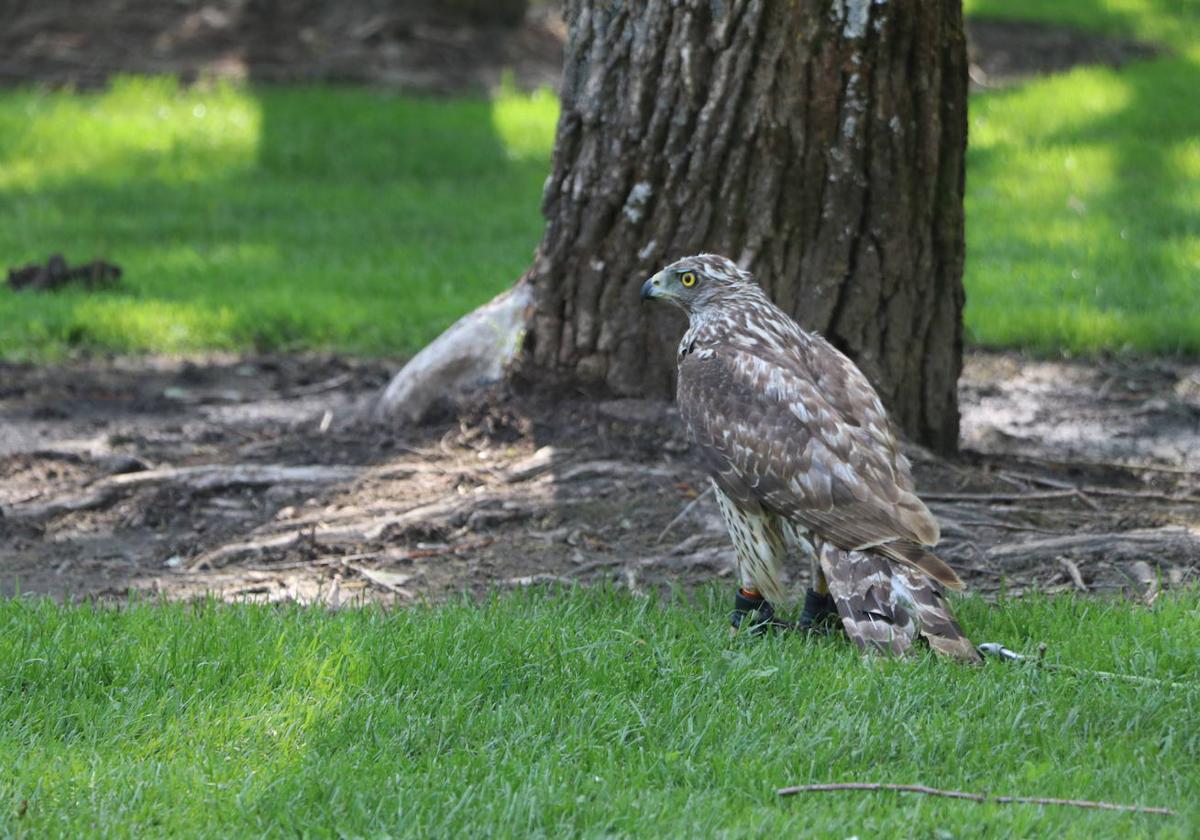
[(205, 477), (1120, 546)]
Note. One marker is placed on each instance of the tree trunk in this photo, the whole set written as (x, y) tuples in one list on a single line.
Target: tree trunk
[(818, 143)]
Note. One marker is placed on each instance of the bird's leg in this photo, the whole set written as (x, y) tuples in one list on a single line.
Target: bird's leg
[(758, 548), (820, 612)]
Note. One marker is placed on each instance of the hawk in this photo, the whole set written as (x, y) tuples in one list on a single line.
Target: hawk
[(803, 460)]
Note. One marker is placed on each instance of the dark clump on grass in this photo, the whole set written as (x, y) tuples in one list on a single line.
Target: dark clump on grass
[(577, 712), (57, 274)]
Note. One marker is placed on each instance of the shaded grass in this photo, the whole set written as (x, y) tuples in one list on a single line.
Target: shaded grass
[(587, 712)]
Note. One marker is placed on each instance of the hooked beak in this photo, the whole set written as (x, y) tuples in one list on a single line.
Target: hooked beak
[(653, 288)]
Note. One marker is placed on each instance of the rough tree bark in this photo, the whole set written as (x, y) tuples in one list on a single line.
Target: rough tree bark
[(819, 143)]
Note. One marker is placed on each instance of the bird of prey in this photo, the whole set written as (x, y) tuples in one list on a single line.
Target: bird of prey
[(804, 460)]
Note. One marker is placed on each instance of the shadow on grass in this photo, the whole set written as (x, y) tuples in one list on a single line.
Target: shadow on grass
[(1095, 248)]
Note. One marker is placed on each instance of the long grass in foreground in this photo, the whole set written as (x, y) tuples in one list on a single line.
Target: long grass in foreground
[(585, 712)]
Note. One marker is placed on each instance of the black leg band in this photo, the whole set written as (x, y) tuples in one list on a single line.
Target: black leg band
[(754, 609), (820, 612)]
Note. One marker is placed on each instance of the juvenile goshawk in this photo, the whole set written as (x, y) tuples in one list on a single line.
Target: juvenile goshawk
[(804, 460)]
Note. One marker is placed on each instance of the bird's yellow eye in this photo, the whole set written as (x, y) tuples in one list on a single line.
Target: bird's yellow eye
[(688, 279)]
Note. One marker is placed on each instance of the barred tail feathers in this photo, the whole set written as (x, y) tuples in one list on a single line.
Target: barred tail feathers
[(884, 606)]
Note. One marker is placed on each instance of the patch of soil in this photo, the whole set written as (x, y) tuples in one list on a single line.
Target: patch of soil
[(251, 478), (404, 44), (1004, 52)]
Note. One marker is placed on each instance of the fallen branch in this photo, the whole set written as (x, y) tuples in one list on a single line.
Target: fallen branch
[(1003, 526), (535, 580), (999, 497), (442, 513), (536, 464), (973, 797), (999, 651), (221, 555), (1102, 464), (1054, 483), (1073, 571), (444, 550), (1083, 494), (326, 517), (218, 476), (202, 477), (391, 581), (1128, 546), (330, 384), (1142, 494), (609, 469)]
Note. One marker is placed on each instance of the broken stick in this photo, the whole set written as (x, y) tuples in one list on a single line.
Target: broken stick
[(973, 797)]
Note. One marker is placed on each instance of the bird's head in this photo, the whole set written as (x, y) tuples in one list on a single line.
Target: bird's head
[(697, 283)]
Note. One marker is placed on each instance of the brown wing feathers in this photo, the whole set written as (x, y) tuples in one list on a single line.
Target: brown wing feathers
[(922, 558), (773, 439)]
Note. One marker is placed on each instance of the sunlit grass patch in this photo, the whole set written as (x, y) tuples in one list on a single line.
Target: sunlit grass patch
[(1082, 212), (140, 127), (266, 218), (580, 712)]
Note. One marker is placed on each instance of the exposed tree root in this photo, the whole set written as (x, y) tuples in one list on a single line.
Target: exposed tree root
[(474, 352)]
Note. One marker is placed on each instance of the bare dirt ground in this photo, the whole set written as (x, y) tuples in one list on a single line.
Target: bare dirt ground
[(413, 46), (246, 477), (249, 478)]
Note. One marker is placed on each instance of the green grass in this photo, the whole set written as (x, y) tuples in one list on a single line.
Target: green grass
[(314, 217), (266, 218), (590, 713), (1083, 193)]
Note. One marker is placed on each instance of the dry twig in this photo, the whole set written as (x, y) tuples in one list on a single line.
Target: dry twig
[(998, 651), (1074, 573), (1159, 468), (999, 497), (199, 478), (391, 581), (330, 384), (683, 513), (1081, 493), (973, 797)]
